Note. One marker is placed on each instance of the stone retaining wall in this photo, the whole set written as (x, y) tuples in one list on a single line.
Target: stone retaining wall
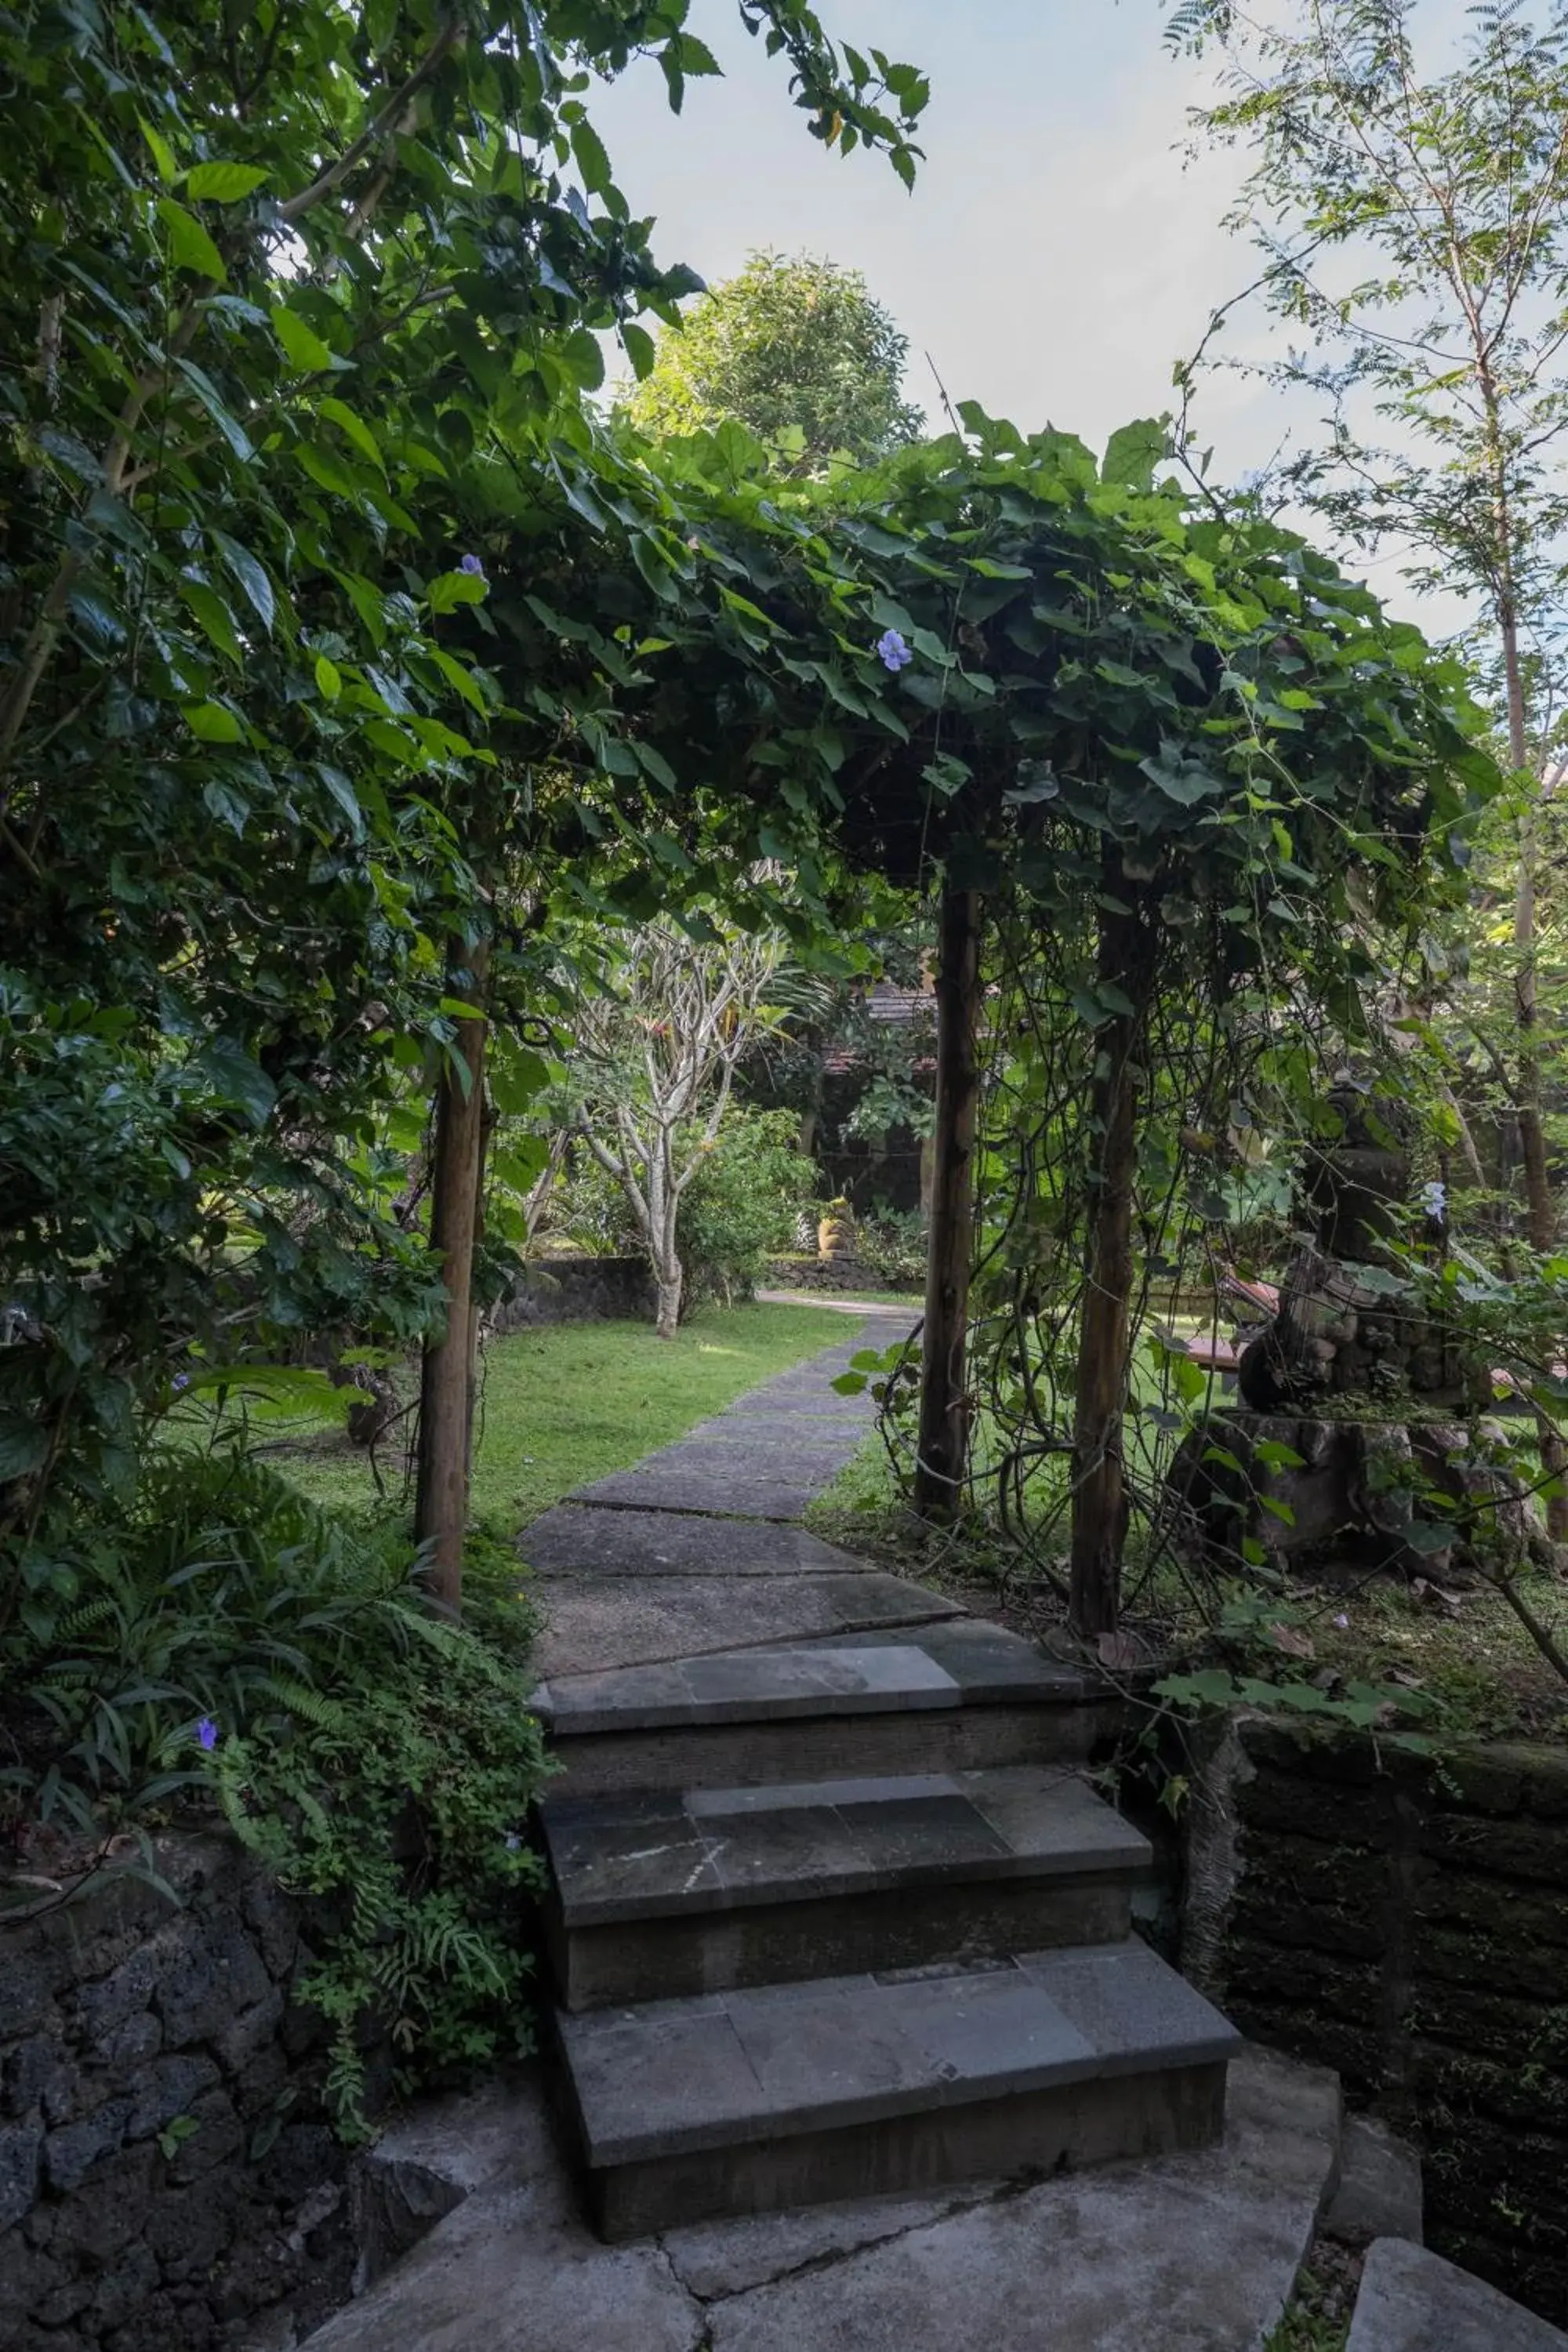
[(1406, 1920), (577, 1290), (166, 2169)]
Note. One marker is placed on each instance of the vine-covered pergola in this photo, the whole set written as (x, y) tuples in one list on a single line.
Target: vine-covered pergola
[(1173, 737)]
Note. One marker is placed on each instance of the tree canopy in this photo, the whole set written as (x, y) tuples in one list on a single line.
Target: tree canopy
[(796, 350)]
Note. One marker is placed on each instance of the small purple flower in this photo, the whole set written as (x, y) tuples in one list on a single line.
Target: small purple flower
[(892, 651), (182, 1379), (474, 564), (1435, 1201), (513, 1842), (206, 1733), (1343, 1622)]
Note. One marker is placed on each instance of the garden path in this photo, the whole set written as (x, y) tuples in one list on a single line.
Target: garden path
[(698, 1550)]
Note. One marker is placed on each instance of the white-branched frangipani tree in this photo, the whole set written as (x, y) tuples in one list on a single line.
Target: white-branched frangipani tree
[(653, 1062)]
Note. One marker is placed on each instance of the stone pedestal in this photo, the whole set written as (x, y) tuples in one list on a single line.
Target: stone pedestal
[(1336, 1498), (837, 1237)]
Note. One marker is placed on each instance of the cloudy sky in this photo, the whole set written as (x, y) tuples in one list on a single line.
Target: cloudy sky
[(1058, 252)]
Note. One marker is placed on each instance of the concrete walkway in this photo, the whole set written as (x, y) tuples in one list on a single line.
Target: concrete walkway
[(698, 1547)]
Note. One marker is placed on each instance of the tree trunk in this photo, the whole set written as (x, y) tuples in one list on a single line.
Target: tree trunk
[(1099, 1498), (441, 1501), (1540, 1206), (944, 1405), (667, 1288), (811, 1112), (663, 1210)]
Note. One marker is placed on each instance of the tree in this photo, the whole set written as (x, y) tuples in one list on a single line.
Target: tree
[(653, 1061), (298, 311), (798, 352), (1444, 202)]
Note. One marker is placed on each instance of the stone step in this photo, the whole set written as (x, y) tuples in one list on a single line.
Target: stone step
[(785, 2096), (1189, 2253), (824, 1710), (708, 1890)]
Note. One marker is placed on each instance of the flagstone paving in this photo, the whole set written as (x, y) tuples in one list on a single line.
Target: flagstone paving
[(698, 1548)]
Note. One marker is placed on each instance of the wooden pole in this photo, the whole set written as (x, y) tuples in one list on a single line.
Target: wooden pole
[(944, 1407), (441, 1501), (1099, 1501)]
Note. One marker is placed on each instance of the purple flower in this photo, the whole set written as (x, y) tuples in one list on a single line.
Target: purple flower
[(892, 651), (513, 1842), (473, 564), (206, 1733), (1343, 1622), (182, 1379), (1435, 1199)]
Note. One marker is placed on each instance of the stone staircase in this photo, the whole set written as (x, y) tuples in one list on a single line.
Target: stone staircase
[(844, 1918)]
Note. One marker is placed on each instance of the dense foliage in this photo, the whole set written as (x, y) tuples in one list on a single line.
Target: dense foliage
[(347, 651), (300, 311), (219, 1635), (297, 322)]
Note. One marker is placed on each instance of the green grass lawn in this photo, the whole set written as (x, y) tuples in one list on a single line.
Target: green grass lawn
[(570, 1402)]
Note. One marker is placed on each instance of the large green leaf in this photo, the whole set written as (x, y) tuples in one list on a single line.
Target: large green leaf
[(238, 1078), (592, 160), (162, 155), (1133, 452), (1180, 777), (353, 427), (250, 575), (462, 680), (301, 346), (215, 619), (215, 723), (212, 400), (450, 589), (225, 183), (190, 246)]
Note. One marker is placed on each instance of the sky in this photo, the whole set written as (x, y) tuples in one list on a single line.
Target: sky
[(1058, 253)]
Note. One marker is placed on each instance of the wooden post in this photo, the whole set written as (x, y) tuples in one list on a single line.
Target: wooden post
[(441, 1501), (944, 1410), (1100, 1500)]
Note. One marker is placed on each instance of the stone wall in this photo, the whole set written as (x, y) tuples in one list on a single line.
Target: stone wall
[(577, 1290), (1406, 1920), (166, 2169)]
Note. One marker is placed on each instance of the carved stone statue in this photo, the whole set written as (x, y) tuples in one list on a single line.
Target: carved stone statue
[(1340, 1328)]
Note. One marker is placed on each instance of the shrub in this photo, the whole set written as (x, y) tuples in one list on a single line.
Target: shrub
[(891, 1245), (380, 1759), (742, 1207)]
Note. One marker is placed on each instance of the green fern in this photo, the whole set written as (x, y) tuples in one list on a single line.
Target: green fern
[(379, 1758)]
